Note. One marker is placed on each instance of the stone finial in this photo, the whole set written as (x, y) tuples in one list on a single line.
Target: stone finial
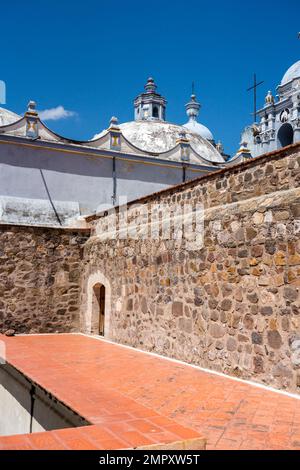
[(219, 147), (193, 107), (31, 108), (114, 122), (244, 148), (243, 152), (269, 99), (244, 144), (184, 144), (115, 134), (182, 136), (150, 86), (32, 121)]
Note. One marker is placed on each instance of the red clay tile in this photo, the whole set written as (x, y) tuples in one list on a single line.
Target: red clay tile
[(45, 441), (114, 444), (145, 426), (79, 444), (114, 387), (15, 443), (135, 439)]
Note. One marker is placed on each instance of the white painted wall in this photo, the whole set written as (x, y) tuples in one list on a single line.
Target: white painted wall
[(16, 406), (14, 403), (77, 183)]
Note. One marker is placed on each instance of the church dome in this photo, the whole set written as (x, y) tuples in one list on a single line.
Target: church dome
[(150, 132), (161, 136), (197, 128), (8, 117), (192, 110), (291, 73)]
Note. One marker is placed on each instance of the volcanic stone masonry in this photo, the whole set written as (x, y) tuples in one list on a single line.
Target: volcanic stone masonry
[(39, 279), (231, 305)]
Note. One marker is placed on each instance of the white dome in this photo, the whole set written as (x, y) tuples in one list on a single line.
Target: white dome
[(291, 73), (161, 136), (199, 129), (8, 117)]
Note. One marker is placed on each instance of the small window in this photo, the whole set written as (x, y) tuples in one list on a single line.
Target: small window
[(155, 112)]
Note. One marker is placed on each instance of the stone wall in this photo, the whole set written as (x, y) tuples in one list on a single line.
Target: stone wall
[(39, 279), (233, 304)]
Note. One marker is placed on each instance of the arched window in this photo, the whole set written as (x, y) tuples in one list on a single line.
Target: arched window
[(155, 112), (285, 135)]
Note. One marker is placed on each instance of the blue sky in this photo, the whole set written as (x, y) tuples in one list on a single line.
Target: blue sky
[(93, 58)]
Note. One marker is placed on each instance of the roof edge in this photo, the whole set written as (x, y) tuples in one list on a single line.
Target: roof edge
[(214, 174)]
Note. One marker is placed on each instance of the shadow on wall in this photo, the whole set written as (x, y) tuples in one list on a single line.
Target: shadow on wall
[(26, 408)]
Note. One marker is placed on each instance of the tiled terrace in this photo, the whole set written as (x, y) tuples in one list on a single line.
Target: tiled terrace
[(134, 399)]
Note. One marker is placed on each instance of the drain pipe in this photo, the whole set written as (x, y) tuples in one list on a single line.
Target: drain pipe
[(183, 173), (114, 177), (32, 399)]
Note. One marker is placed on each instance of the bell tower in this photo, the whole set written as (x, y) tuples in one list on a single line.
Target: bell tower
[(150, 105)]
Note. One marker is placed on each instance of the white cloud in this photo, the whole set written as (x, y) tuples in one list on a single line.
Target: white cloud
[(54, 114), (2, 92)]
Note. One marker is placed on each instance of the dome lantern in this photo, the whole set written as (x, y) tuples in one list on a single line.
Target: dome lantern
[(150, 105), (193, 108)]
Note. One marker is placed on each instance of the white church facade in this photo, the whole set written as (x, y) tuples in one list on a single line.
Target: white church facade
[(279, 119)]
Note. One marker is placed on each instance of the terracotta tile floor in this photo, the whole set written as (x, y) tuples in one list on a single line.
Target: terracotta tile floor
[(138, 398)]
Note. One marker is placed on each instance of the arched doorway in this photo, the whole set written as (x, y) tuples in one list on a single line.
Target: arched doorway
[(285, 135), (98, 310), (95, 300)]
